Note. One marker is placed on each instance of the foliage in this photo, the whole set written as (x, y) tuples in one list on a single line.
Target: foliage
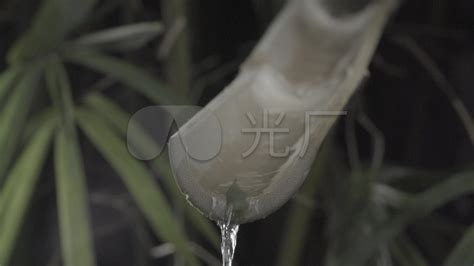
[(40, 55)]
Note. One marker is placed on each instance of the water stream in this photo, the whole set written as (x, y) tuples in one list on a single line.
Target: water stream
[(229, 239)]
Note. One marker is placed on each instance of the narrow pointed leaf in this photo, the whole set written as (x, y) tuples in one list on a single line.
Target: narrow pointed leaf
[(61, 92), (406, 253), (33, 126), (13, 116), (35, 121), (74, 219), (6, 81), (18, 189), (138, 180), (125, 37), (358, 253), (119, 120), (130, 75), (54, 19), (203, 224), (76, 236), (299, 218)]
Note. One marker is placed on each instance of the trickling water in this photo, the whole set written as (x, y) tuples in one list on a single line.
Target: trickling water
[(229, 239)]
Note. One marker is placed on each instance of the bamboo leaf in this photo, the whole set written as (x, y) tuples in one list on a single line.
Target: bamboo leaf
[(299, 218), (463, 252), (130, 75), (203, 224), (125, 37), (137, 179), (74, 220), (7, 78), (13, 116), (175, 47), (32, 128), (18, 189), (119, 120), (359, 251), (35, 121), (406, 253), (76, 236), (54, 19), (60, 90)]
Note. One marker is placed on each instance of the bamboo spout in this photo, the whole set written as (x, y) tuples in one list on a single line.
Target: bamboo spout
[(309, 60)]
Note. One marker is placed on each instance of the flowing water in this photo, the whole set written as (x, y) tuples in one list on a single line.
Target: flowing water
[(229, 239)]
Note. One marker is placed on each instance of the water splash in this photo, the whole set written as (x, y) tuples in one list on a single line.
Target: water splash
[(229, 239)]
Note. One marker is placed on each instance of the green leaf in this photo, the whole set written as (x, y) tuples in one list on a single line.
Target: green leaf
[(204, 225), (60, 89), (54, 19), (409, 179), (125, 37), (138, 180), (7, 78), (463, 252), (13, 116), (423, 204), (132, 76), (111, 111), (74, 221), (359, 251), (18, 189), (35, 122), (299, 218), (119, 120)]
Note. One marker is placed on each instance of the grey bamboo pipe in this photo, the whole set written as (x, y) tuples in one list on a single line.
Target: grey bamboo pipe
[(312, 58)]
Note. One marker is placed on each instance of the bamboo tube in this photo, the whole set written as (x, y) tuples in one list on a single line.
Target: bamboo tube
[(309, 60)]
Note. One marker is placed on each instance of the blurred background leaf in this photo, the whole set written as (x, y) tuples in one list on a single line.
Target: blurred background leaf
[(119, 119), (74, 221), (17, 192), (132, 76), (138, 180), (13, 116), (124, 38), (53, 21)]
